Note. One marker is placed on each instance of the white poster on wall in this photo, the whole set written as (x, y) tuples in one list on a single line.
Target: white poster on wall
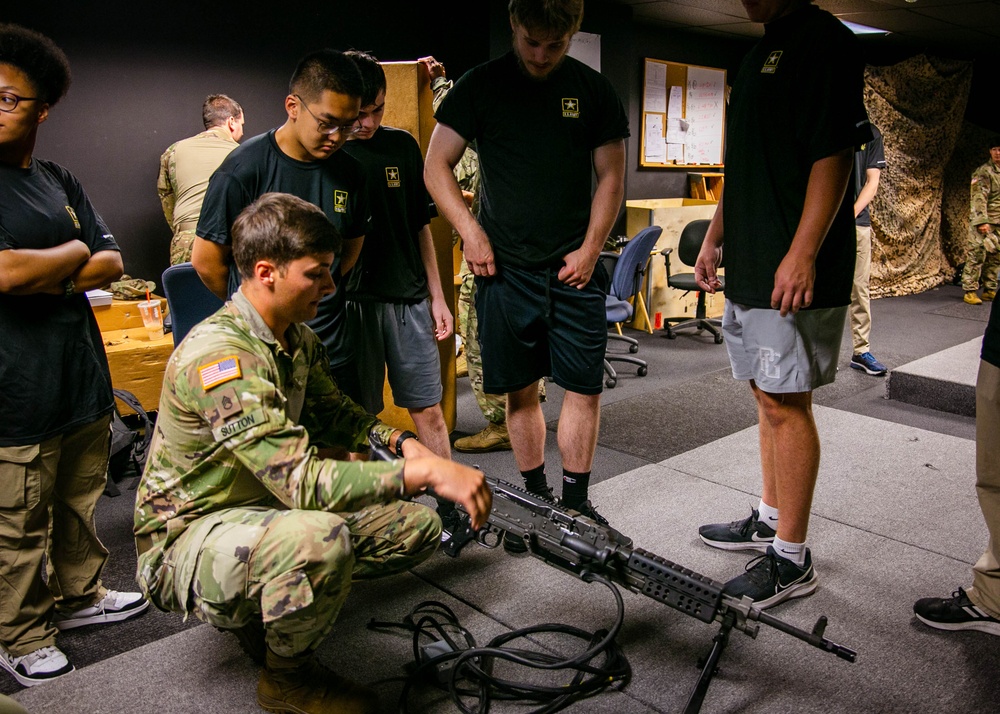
[(586, 47)]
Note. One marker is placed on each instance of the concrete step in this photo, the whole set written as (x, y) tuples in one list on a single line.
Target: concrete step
[(945, 380)]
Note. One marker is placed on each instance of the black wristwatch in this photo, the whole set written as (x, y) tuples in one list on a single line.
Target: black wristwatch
[(69, 289), (399, 442)]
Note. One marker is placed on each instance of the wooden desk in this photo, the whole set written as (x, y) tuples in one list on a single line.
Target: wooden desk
[(137, 364)]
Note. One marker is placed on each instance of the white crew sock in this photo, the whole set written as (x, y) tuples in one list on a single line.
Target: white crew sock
[(795, 552), (768, 515)]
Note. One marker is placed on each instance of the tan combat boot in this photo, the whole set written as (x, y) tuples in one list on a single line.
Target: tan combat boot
[(300, 685), (493, 438), (988, 295), (972, 299)]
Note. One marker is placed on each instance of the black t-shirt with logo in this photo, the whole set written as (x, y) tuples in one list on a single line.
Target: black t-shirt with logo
[(390, 268), (535, 141), (871, 155), (335, 184), (797, 98), (53, 370)]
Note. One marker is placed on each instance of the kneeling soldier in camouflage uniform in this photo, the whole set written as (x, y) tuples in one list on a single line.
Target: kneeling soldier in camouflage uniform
[(240, 519)]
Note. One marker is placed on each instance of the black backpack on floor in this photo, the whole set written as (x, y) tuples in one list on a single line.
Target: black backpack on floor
[(129, 447)]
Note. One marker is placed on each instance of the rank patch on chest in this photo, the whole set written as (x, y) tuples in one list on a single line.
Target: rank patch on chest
[(340, 201), (571, 108), (771, 63), (392, 176), (219, 372), (239, 425), (72, 214)]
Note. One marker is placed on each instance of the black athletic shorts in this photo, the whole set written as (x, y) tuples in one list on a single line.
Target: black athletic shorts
[(531, 325)]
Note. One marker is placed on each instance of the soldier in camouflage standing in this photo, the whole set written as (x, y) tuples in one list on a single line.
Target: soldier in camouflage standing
[(243, 517), (983, 253), (494, 436), (186, 166)]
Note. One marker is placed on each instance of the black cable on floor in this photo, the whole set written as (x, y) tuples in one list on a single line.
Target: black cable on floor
[(446, 655)]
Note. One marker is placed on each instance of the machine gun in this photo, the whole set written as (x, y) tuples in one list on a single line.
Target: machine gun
[(577, 545)]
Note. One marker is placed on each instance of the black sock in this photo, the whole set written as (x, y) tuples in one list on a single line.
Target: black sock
[(534, 479), (575, 487)]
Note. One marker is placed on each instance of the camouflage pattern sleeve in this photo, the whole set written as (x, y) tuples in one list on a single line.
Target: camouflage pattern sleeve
[(440, 86), (165, 184), (980, 194)]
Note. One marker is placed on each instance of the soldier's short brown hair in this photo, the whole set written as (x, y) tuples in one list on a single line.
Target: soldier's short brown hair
[(280, 228), (217, 108), (553, 17)]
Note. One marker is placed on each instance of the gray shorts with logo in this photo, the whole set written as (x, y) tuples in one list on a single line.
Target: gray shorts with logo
[(783, 355)]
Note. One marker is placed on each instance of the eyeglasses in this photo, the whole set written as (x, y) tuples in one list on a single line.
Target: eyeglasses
[(327, 128), (9, 101)]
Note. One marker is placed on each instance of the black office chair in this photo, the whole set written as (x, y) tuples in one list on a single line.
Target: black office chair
[(626, 282), (189, 300), (688, 248)]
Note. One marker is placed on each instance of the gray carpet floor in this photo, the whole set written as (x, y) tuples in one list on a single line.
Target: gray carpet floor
[(894, 519)]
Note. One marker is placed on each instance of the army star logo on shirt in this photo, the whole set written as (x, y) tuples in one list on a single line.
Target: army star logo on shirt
[(72, 214), (571, 108), (392, 176), (340, 201), (771, 63)]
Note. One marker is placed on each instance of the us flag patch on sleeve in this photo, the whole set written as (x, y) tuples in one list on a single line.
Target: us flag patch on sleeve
[(219, 372)]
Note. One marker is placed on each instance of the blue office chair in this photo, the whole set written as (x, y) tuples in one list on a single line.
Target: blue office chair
[(626, 282), (688, 248), (189, 300)]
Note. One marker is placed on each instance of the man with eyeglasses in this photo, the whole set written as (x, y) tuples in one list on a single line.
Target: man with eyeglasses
[(301, 157)]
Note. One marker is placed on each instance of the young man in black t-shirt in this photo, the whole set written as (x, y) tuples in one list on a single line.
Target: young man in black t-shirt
[(55, 386), (543, 124), (396, 307), (302, 157), (796, 117)]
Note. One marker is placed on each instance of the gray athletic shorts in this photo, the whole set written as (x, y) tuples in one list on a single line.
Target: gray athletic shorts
[(401, 338), (794, 353)]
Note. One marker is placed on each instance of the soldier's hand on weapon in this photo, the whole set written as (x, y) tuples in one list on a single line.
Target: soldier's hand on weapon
[(455, 482)]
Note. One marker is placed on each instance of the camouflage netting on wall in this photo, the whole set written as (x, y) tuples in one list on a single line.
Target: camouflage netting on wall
[(918, 104)]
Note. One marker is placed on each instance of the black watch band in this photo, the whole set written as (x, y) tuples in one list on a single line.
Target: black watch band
[(399, 442)]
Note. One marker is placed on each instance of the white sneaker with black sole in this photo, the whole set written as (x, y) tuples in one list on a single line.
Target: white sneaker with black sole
[(42, 665), (113, 607)]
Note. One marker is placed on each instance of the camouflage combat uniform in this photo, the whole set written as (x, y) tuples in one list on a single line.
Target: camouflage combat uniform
[(984, 208), (182, 189), (236, 516)]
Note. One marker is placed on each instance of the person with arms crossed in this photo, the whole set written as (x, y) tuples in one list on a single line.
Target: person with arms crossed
[(55, 386), (242, 518), (796, 117), (301, 157), (543, 123), (186, 166)]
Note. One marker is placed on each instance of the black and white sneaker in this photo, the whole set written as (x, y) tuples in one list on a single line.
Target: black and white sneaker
[(749, 534), (770, 579), (955, 613), (42, 665), (113, 607)]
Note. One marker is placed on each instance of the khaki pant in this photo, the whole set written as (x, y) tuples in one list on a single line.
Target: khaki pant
[(985, 590), (861, 311), (64, 476), (293, 569)]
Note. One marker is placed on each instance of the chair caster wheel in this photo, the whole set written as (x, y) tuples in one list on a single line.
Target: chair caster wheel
[(610, 383), (642, 371), (671, 336), (633, 349), (718, 339)]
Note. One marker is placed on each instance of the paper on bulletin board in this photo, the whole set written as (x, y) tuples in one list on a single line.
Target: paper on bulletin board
[(675, 152), (676, 131), (675, 106), (656, 149), (656, 88), (706, 93)]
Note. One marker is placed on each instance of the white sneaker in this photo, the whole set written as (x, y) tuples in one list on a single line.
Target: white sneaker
[(114, 607), (42, 665)]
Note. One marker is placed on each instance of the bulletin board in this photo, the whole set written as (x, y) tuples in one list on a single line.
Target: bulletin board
[(683, 115)]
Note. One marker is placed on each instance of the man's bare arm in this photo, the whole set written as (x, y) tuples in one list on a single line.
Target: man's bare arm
[(609, 165), (867, 192), (211, 262), (443, 153), (443, 320), (103, 268), (710, 256), (796, 275), (350, 252), (26, 271)]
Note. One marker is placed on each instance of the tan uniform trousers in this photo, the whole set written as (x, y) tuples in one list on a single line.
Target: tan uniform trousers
[(292, 569), (861, 310), (65, 474), (985, 590)]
